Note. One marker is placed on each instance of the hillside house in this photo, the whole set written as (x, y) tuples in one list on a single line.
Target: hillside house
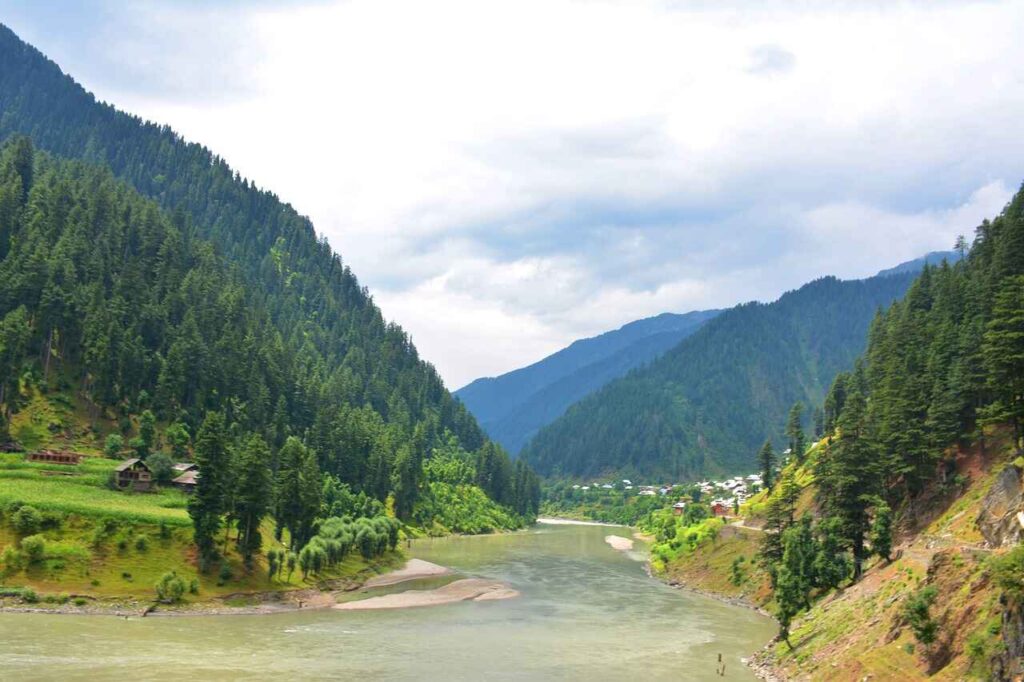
[(187, 481), (182, 467), (678, 508), (134, 474), (71, 458)]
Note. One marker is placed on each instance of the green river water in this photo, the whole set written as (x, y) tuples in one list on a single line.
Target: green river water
[(586, 612)]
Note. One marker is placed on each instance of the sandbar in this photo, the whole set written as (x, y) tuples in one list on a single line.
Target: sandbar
[(476, 589)]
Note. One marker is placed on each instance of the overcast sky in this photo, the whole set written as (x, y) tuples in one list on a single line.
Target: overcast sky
[(507, 177)]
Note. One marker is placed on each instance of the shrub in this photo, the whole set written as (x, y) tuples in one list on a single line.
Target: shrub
[(1008, 572), (13, 560), (916, 612), (142, 543), (170, 588), (162, 467), (193, 586), (26, 520), (112, 448), (34, 547), (81, 601), (29, 596), (225, 573)]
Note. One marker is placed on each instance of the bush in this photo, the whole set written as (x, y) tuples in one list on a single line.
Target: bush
[(916, 612), (34, 547), (29, 596), (26, 520), (13, 560), (112, 448), (81, 601), (170, 588), (1008, 572), (193, 586), (162, 467), (142, 543), (225, 573)]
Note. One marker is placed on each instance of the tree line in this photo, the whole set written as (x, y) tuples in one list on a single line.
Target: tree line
[(943, 366)]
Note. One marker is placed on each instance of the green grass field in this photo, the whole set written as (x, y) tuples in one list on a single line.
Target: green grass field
[(113, 544), (82, 490)]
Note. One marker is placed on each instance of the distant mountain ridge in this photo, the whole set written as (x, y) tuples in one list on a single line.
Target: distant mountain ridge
[(704, 406), (916, 265), (514, 406)]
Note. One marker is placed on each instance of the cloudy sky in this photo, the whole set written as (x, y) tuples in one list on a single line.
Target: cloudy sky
[(509, 176)]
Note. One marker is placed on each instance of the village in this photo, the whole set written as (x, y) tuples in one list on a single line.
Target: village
[(723, 497), (131, 474)]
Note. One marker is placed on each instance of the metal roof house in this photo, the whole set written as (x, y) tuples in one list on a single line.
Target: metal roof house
[(134, 474)]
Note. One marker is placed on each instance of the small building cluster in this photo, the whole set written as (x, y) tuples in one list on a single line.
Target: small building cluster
[(135, 474), (722, 496)]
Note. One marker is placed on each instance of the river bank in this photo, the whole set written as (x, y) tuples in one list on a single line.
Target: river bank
[(584, 611), (322, 596)]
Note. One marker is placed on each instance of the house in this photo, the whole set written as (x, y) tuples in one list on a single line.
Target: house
[(678, 508), (187, 481), (648, 492), (719, 508), (182, 467), (72, 458), (133, 473)]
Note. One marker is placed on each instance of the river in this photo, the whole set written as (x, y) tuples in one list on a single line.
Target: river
[(586, 612)]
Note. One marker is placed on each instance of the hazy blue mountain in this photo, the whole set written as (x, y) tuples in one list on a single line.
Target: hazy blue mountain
[(706, 405), (916, 265), (513, 406)]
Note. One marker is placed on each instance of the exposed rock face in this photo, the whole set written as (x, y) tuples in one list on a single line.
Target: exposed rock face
[(997, 520), (1010, 664)]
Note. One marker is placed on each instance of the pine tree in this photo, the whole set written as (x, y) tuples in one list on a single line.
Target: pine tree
[(881, 530), (299, 491), (849, 475), (831, 565), (253, 494), (1003, 353), (207, 503), (766, 458), (795, 432)]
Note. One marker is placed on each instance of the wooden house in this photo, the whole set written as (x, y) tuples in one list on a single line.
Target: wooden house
[(134, 474), (187, 481), (70, 458)]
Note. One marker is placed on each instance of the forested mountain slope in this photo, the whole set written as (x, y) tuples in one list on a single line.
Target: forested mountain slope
[(917, 487), (705, 406), (311, 296), (512, 407), (214, 297)]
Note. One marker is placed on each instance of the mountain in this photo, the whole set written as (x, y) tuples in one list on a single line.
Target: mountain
[(213, 295), (511, 408), (916, 265), (706, 405)]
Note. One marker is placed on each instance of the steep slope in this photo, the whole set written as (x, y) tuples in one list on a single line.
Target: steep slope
[(901, 558), (307, 290), (266, 324), (706, 405), (512, 407)]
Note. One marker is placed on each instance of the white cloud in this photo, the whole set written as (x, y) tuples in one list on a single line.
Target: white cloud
[(508, 176)]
